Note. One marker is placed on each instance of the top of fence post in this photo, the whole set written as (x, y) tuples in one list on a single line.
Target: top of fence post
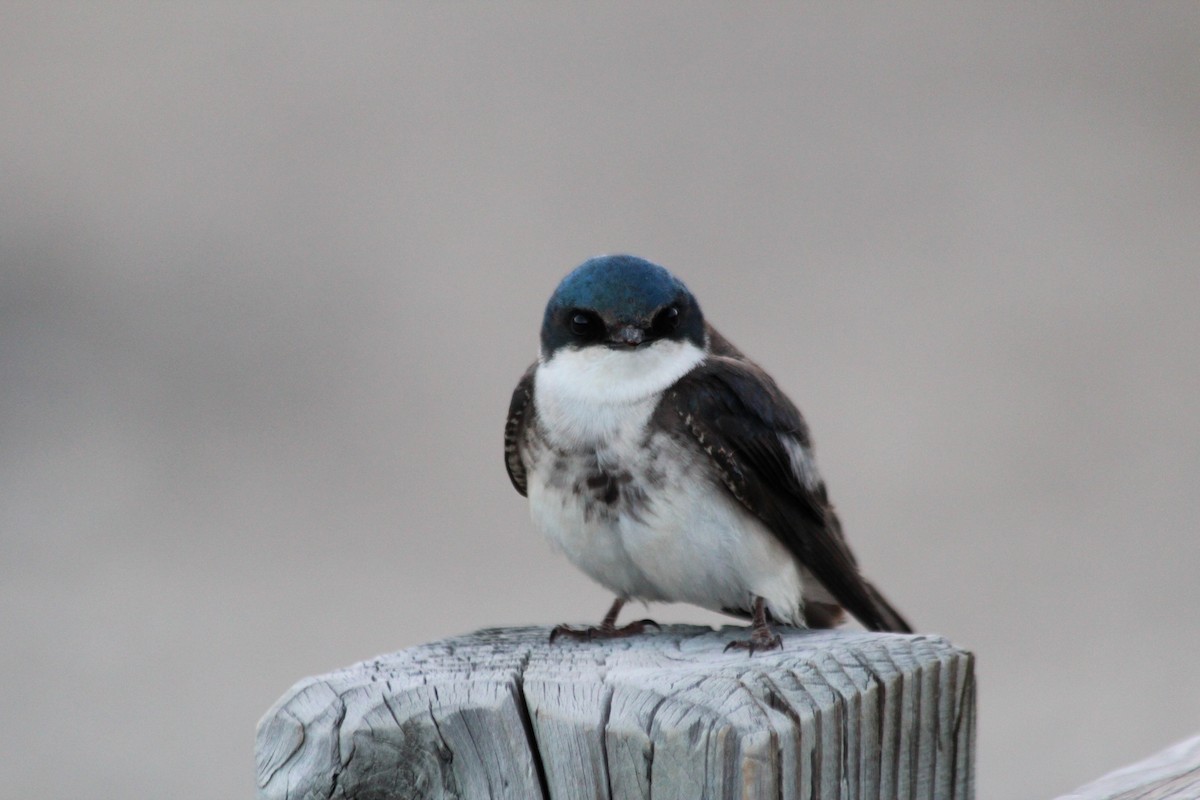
[(503, 713)]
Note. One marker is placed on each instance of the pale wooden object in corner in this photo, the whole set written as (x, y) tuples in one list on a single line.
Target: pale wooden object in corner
[(1174, 773), (502, 713)]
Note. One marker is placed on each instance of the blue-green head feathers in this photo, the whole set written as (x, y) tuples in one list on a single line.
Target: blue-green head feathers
[(609, 294)]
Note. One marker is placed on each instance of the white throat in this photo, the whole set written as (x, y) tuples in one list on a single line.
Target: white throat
[(585, 394)]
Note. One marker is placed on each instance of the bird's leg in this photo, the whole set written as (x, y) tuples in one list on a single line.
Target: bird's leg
[(606, 630), (761, 636)]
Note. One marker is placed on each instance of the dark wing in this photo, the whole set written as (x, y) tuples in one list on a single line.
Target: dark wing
[(737, 415), (514, 429)]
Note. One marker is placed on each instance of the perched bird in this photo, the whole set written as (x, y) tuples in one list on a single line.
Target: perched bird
[(668, 466)]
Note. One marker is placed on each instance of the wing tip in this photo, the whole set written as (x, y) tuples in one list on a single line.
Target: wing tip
[(884, 617)]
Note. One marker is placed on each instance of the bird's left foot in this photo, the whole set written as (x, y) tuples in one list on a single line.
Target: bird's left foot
[(761, 635), (759, 640)]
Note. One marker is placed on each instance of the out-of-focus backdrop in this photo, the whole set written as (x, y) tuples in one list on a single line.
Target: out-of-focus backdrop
[(268, 274)]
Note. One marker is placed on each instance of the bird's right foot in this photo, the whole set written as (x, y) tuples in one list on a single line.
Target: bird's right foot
[(607, 629), (601, 631)]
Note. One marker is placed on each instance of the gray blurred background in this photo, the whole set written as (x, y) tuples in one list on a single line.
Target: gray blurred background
[(269, 273)]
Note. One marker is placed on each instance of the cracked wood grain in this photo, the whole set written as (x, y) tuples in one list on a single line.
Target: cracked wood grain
[(501, 713)]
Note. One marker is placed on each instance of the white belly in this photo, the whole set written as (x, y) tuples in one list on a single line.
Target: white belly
[(651, 525), (642, 515)]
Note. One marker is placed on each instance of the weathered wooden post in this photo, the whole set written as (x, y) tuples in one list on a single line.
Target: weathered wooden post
[(501, 713)]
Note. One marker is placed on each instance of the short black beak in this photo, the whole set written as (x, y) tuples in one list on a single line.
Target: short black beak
[(627, 336)]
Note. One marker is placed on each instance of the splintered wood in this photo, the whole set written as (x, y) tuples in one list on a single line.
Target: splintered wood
[(502, 713)]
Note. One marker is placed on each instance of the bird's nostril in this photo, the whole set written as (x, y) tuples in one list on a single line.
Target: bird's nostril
[(629, 336)]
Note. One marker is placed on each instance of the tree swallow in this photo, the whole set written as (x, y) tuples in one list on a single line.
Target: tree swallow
[(668, 466)]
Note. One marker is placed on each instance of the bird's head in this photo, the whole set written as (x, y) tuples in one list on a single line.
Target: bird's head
[(621, 303)]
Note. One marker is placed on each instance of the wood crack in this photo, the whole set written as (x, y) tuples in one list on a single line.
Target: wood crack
[(539, 765)]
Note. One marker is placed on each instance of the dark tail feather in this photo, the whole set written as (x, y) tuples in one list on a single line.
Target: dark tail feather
[(883, 616)]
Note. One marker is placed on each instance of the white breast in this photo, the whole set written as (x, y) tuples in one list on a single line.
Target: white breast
[(595, 393), (640, 513)]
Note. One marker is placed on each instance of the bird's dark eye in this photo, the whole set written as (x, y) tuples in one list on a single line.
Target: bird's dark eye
[(584, 325), (665, 321)]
